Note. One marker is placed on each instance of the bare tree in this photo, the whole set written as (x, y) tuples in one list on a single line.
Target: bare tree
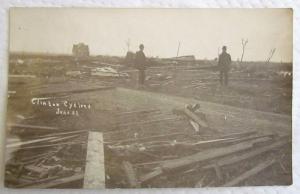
[(244, 43), (272, 51)]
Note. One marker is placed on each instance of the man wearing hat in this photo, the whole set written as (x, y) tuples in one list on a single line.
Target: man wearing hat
[(224, 66), (140, 62)]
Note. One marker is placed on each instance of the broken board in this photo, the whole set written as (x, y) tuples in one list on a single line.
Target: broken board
[(94, 177)]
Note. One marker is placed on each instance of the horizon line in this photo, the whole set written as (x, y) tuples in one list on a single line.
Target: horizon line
[(70, 54)]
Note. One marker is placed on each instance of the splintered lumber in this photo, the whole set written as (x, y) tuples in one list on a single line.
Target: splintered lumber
[(63, 133), (36, 157), (209, 154), (94, 177), (21, 76), (249, 173), (257, 151), (32, 126), (175, 143), (195, 118), (195, 125), (200, 157), (151, 175), (130, 174), (63, 138), (56, 182), (18, 144), (145, 138), (50, 145), (35, 169)]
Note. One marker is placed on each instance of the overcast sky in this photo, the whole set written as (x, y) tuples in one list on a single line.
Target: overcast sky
[(200, 31)]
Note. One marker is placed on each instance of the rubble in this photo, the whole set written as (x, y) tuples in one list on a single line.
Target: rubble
[(74, 73), (107, 72), (206, 157), (147, 141)]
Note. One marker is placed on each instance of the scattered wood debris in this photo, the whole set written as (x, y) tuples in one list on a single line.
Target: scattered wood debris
[(141, 147), (150, 162)]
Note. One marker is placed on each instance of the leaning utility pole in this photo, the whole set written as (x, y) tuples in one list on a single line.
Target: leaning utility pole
[(244, 43), (178, 49)]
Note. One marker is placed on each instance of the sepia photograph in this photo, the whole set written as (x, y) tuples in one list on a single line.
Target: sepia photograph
[(149, 98)]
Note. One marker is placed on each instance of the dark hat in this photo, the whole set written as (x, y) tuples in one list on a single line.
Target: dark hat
[(224, 47), (141, 46)]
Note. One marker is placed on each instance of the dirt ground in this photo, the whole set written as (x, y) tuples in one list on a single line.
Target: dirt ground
[(133, 119)]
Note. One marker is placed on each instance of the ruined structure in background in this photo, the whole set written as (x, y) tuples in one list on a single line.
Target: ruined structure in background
[(185, 58), (129, 58), (80, 50)]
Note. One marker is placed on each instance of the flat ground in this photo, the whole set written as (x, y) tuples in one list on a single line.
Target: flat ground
[(141, 125)]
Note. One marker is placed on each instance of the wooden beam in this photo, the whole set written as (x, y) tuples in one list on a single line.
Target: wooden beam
[(130, 174), (195, 125), (94, 177), (249, 173), (58, 139), (50, 145), (56, 182), (239, 158), (195, 118), (18, 144), (151, 175), (210, 154), (12, 125), (63, 133), (145, 138), (200, 157)]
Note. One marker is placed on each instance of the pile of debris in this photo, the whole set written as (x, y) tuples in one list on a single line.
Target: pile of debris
[(203, 158), (43, 156), (108, 72), (47, 159)]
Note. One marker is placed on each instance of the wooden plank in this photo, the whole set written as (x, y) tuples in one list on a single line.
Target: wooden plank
[(57, 139), (130, 174), (18, 144), (209, 154), (249, 173), (151, 175), (200, 157), (21, 76), (239, 158), (35, 169), (144, 138), (165, 144), (195, 125), (63, 133), (56, 182), (195, 118), (50, 145), (12, 125), (94, 177), (206, 142)]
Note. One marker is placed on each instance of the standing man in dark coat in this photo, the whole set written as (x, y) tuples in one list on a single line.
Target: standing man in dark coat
[(140, 62), (224, 66)]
